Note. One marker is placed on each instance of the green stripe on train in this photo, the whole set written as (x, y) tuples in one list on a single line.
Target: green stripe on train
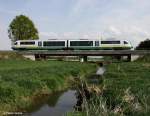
[(72, 48)]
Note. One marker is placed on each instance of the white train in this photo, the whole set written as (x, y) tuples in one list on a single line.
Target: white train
[(78, 44)]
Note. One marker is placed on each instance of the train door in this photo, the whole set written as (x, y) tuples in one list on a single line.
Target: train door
[(40, 43), (97, 43)]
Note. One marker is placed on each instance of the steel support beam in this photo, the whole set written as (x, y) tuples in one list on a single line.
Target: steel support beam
[(86, 52)]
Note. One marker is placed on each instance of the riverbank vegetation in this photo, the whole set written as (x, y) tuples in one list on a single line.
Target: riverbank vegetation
[(21, 81), (124, 91), (128, 87)]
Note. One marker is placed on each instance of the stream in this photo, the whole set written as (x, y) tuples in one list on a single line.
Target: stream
[(58, 103)]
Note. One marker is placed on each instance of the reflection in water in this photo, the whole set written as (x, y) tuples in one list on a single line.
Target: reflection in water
[(89, 88), (59, 103), (97, 78), (57, 107), (101, 71)]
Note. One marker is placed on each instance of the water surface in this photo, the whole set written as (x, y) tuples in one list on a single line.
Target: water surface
[(57, 107), (101, 71)]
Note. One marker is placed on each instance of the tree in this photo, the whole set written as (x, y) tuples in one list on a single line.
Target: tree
[(22, 28), (144, 45)]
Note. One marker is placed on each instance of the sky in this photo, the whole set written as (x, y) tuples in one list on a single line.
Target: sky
[(69, 19)]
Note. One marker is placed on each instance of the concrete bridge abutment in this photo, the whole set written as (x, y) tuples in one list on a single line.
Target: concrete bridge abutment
[(31, 57), (83, 58)]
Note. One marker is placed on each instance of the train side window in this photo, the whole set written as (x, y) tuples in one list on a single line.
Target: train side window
[(110, 42), (81, 43), (96, 43), (125, 42), (39, 43), (54, 43), (27, 43)]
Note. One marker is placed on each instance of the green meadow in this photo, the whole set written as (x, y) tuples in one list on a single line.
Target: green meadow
[(23, 80), (128, 86), (125, 91)]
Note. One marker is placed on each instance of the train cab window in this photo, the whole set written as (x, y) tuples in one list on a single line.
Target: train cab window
[(27, 43), (15, 43), (125, 42), (96, 43), (39, 43)]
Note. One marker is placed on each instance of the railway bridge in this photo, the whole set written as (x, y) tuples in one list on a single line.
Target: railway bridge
[(37, 54)]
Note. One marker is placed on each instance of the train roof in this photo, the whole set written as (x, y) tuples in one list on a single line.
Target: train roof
[(72, 40)]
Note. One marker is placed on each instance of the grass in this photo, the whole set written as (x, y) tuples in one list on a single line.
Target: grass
[(126, 91), (129, 80), (22, 80), (126, 85)]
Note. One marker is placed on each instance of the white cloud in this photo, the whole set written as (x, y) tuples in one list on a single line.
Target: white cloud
[(92, 19), (81, 5), (126, 19), (132, 33), (69, 35), (112, 31), (80, 35), (48, 35)]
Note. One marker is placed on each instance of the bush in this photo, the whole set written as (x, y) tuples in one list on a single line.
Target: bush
[(144, 45)]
